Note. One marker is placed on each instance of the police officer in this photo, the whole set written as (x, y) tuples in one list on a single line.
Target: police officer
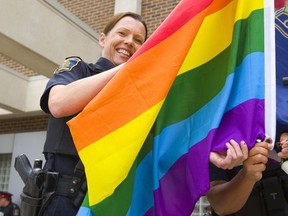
[(69, 90), (7, 207)]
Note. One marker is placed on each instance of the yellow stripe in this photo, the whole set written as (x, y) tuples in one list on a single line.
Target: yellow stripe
[(215, 34), (119, 147)]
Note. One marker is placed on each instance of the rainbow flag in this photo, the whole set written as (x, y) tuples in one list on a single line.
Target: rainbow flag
[(205, 76)]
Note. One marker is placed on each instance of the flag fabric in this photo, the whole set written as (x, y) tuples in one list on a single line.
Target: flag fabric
[(281, 35), (205, 76), (279, 4)]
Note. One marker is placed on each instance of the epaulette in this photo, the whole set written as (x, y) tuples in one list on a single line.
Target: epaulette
[(68, 64), (94, 68)]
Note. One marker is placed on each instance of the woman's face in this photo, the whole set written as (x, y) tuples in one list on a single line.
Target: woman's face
[(123, 40)]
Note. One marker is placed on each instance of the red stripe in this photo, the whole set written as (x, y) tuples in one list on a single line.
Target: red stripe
[(185, 11)]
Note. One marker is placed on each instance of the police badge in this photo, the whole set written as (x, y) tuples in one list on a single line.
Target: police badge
[(68, 64)]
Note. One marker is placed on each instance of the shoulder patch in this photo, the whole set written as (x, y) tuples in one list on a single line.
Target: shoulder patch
[(68, 65)]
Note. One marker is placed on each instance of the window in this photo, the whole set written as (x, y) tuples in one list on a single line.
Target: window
[(5, 165), (200, 207)]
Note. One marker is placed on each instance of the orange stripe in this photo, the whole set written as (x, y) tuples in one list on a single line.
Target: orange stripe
[(217, 5), (141, 84)]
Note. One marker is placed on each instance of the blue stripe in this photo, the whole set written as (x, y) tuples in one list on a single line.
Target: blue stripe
[(143, 188), (175, 140), (84, 211)]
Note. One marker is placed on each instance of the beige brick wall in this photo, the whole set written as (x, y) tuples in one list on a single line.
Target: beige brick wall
[(9, 63), (95, 14)]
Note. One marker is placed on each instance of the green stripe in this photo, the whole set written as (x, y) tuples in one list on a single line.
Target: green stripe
[(198, 86), (121, 198)]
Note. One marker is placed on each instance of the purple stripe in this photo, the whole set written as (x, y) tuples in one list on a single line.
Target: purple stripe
[(183, 185), (188, 179), (244, 122)]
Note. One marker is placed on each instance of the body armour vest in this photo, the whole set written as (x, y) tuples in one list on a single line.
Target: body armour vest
[(59, 139)]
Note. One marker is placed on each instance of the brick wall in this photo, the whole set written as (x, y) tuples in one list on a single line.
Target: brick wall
[(155, 12), (95, 14), (25, 124)]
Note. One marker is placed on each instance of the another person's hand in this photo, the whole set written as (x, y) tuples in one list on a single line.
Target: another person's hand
[(284, 152), (284, 146), (235, 155), (256, 161)]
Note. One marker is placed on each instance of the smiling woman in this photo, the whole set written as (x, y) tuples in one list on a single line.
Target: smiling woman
[(73, 85), (122, 41)]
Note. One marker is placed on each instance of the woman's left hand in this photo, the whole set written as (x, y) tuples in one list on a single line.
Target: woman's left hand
[(234, 155)]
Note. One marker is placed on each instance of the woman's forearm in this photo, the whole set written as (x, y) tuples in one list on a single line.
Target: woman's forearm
[(65, 100)]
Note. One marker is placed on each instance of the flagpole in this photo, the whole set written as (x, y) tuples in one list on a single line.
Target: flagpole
[(270, 70)]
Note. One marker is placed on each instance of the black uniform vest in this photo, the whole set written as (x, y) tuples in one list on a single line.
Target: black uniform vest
[(59, 139)]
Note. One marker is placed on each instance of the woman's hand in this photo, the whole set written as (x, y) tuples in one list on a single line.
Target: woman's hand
[(234, 156)]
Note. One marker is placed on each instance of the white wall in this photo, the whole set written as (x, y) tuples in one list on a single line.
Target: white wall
[(30, 144), (45, 31), (128, 5)]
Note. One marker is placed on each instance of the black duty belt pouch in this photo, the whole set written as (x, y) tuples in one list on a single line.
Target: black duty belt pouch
[(273, 193), (274, 196)]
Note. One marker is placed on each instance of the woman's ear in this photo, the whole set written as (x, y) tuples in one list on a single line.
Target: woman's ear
[(102, 38)]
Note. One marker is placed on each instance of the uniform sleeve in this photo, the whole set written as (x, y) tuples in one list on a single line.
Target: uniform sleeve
[(221, 174), (71, 70), (217, 173)]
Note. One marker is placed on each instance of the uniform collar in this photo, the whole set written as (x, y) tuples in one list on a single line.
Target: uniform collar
[(104, 64)]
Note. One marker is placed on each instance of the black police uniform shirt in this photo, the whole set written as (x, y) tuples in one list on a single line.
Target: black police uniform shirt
[(58, 138), (10, 210)]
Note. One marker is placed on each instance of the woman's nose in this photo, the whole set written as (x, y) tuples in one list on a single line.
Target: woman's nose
[(128, 39)]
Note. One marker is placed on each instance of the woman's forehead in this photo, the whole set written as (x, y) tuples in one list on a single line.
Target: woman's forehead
[(130, 23)]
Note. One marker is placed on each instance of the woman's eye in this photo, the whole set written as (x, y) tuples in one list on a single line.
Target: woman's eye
[(138, 41)]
